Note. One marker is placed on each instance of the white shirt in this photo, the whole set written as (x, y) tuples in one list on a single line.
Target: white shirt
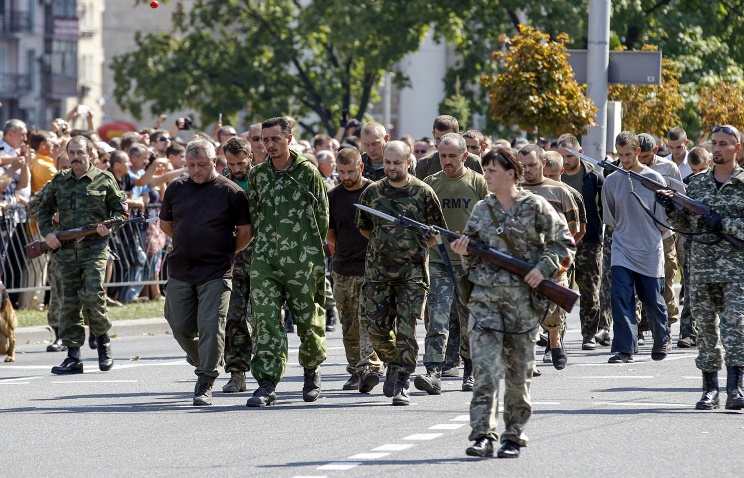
[(684, 167)]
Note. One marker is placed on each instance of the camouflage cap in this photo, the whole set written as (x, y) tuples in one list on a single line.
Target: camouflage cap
[(647, 142)]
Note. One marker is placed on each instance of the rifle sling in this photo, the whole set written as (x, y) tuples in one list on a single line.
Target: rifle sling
[(500, 233)]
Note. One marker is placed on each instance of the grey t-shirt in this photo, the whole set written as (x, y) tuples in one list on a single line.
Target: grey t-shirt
[(636, 241)]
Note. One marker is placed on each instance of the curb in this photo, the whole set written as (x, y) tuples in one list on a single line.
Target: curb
[(119, 328)]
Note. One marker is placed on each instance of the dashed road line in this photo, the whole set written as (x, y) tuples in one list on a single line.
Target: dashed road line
[(394, 447)]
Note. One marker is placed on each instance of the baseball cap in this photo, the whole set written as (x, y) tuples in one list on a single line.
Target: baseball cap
[(647, 142)]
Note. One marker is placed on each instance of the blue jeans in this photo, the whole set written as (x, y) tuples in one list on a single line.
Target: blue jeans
[(625, 326)]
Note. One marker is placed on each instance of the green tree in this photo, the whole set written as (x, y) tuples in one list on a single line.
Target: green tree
[(534, 87), (308, 59)]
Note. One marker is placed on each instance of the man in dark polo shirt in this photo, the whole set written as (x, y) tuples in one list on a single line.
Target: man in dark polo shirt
[(202, 209), (348, 270), (431, 164)]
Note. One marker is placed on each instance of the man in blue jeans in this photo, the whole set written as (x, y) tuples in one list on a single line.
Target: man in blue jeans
[(637, 253)]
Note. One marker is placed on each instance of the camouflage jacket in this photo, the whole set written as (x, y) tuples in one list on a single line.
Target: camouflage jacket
[(398, 253), (93, 198), (289, 210), (719, 262), (538, 234), (242, 263)]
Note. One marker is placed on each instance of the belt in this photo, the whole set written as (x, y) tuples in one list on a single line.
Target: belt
[(83, 244)]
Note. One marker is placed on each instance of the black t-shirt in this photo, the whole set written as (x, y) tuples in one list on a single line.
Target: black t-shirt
[(204, 217), (125, 183), (351, 246)]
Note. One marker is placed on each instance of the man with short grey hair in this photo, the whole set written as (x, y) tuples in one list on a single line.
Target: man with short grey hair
[(204, 208)]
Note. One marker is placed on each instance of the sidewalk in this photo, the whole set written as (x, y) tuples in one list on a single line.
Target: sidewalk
[(119, 328)]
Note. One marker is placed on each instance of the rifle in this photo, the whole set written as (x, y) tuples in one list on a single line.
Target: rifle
[(36, 249), (682, 201), (564, 297)]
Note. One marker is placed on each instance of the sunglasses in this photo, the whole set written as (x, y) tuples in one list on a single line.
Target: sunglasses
[(726, 130), (419, 150), (163, 138)]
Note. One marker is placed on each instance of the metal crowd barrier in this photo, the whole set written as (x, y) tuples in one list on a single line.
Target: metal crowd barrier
[(138, 258)]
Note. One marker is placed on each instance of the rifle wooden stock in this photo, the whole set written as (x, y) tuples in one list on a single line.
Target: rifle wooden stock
[(36, 249), (564, 297)]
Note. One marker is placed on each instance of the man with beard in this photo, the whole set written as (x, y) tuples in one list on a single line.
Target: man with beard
[(348, 271), (396, 278), (238, 345)]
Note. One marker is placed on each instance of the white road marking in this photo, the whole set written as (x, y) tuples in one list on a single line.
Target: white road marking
[(461, 418), (645, 404), (447, 426), (368, 456), (423, 436), (545, 403), (95, 381), (7, 380), (310, 476), (393, 447), (614, 377), (340, 465)]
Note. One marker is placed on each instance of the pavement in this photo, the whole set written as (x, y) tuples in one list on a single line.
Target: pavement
[(119, 328)]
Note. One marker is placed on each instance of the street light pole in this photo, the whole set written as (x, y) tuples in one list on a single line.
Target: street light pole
[(598, 60)]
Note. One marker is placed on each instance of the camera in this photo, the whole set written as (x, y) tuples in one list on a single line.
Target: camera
[(184, 123)]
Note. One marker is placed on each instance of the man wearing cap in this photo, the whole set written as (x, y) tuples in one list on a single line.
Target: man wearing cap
[(669, 170)]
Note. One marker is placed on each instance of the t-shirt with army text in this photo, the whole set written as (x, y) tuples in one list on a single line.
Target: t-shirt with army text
[(398, 253), (457, 196)]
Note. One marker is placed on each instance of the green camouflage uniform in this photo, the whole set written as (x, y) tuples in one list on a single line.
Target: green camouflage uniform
[(502, 328), (238, 343), (396, 277), (716, 272), (93, 198), (290, 221)]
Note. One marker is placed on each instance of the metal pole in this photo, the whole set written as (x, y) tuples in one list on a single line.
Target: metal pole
[(386, 100), (598, 59)]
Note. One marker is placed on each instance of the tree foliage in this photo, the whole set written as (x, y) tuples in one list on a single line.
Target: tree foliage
[(651, 108), (722, 103), (534, 87), (310, 59)]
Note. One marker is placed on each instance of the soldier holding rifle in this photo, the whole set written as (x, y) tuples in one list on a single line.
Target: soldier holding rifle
[(502, 331), (82, 194), (716, 267)]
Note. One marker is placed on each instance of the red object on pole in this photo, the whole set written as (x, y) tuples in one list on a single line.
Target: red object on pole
[(154, 4), (114, 129)]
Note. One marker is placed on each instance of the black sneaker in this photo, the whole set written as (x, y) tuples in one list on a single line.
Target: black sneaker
[(481, 448), (202, 394), (56, 346), (429, 383), (621, 358), (352, 383), (603, 338), (311, 389), (589, 343), (70, 366), (683, 343), (264, 395), (369, 380), (400, 396), (331, 319)]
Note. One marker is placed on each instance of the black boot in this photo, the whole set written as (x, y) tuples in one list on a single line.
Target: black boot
[(709, 400), (57, 345), (264, 395), (467, 376), (331, 319), (400, 395), (311, 389), (105, 360), (481, 448), (735, 396), (92, 342), (72, 363), (431, 382)]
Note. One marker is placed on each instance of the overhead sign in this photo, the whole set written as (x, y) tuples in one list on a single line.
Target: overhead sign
[(625, 68)]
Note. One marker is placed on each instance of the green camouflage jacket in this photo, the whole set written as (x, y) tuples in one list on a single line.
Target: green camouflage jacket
[(538, 234), (720, 262)]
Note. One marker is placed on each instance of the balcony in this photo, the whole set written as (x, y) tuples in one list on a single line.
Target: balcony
[(15, 22), (14, 85)]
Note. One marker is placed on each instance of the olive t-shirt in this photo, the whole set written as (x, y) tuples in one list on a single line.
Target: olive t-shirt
[(351, 245), (204, 217)]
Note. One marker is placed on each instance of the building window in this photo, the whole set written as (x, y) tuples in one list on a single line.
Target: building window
[(64, 58), (64, 9)]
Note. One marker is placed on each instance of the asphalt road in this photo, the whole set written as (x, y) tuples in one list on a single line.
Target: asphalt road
[(592, 419)]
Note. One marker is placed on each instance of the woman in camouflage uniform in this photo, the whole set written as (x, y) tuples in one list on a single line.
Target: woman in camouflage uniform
[(502, 330)]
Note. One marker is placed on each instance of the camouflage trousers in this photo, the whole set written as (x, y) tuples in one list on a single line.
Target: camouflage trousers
[(588, 267), (498, 355), (389, 313), (718, 309), (687, 323), (238, 342), (302, 287), (82, 288), (442, 309), (360, 355), (605, 296), (554, 317), (55, 293)]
